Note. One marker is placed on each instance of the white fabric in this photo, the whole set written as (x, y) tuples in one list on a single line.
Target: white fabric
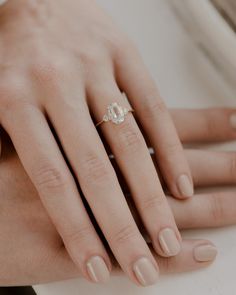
[(2, 2), (185, 79), (210, 28)]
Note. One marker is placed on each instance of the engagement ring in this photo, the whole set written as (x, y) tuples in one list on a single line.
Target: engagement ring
[(115, 113)]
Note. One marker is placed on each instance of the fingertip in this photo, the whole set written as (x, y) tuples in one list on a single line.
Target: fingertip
[(146, 273), (169, 242), (98, 270), (205, 253), (185, 186)]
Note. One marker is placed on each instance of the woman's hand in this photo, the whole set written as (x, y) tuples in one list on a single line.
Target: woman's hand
[(32, 252), (62, 62)]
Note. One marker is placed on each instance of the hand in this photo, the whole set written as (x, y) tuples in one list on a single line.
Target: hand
[(32, 252), (62, 63)]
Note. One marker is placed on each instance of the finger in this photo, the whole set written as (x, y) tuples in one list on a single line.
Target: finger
[(211, 167), (132, 155), (134, 79), (208, 168), (196, 254), (205, 125), (205, 210), (100, 186), (47, 169)]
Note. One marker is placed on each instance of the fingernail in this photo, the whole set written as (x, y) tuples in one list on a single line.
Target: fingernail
[(145, 272), (169, 242), (232, 121), (205, 253), (185, 186), (97, 270)]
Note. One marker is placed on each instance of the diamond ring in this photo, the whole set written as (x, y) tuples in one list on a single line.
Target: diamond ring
[(115, 113)]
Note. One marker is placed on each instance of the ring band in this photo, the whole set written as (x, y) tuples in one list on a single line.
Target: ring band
[(115, 113)]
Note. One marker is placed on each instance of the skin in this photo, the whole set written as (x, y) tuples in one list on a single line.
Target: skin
[(62, 62), (31, 250)]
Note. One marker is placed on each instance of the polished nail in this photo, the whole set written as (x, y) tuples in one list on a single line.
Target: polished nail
[(169, 242), (185, 186), (232, 121), (205, 253), (145, 271), (97, 269)]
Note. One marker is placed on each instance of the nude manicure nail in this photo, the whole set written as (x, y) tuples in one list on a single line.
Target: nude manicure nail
[(97, 270), (185, 186), (169, 242), (145, 271), (232, 121), (205, 253)]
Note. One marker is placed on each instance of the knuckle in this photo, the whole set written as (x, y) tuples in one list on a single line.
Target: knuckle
[(127, 233), (95, 170), (49, 178), (172, 148), (90, 58), (167, 265), (47, 71), (153, 106), (129, 139), (9, 96), (13, 99), (151, 202), (123, 48), (124, 45), (77, 236), (216, 207)]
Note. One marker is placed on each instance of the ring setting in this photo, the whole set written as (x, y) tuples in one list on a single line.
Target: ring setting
[(115, 113)]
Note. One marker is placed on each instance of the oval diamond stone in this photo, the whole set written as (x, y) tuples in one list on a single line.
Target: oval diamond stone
[(116, 113)]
